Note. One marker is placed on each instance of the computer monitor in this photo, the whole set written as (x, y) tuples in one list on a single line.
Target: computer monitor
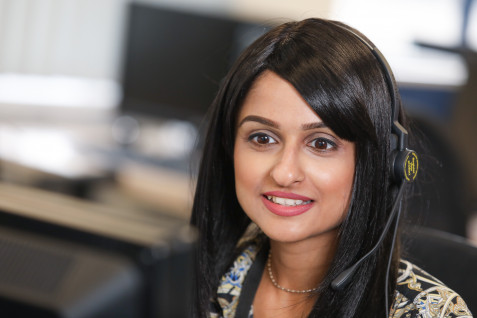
[(174, 59), (63, 257)]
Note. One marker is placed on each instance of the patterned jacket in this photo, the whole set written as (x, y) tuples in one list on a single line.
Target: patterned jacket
[(418, 294)]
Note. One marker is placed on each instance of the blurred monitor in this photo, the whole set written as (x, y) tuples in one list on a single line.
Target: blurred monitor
[(65, 258), (174, 60)]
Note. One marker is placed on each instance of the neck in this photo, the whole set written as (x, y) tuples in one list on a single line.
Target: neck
[(302, 265)]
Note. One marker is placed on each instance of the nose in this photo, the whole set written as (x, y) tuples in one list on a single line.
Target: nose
[(287, 169)]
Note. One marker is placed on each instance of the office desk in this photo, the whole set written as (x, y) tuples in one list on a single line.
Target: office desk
[(80, 159)]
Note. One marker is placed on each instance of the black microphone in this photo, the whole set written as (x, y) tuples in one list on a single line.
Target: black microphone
[(340, 282)]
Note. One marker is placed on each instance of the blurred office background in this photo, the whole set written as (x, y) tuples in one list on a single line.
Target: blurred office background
[(103, 100)]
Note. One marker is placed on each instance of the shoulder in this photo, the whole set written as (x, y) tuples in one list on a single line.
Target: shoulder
[(231, 283), (419, 294)]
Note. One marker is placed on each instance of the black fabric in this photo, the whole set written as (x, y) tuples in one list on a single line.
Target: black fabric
[(250, 284)]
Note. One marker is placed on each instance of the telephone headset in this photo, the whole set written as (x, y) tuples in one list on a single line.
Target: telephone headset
[(405, 164)]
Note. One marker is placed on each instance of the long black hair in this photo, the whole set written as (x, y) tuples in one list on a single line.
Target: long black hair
[(342, 81)]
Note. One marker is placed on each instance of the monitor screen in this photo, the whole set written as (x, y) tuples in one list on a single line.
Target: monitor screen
[(174, 60)]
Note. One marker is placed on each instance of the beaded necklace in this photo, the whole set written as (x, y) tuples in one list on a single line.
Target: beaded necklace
[(274, 282)]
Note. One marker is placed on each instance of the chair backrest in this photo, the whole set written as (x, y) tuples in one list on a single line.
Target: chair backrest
[(440, 195), (448, 257)]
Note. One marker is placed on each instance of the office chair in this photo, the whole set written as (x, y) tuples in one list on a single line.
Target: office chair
[(440, 199), (448, 257)]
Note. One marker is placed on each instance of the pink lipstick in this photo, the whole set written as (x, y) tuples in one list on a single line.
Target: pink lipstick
[(286, 203)]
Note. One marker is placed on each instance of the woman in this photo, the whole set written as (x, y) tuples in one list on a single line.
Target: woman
[(295, 186)]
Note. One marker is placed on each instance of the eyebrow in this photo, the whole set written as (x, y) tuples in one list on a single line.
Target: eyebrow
[(314, 125), (260, 120), (273, 124)]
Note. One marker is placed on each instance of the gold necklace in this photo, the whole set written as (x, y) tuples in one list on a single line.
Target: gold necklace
[(274, 282)]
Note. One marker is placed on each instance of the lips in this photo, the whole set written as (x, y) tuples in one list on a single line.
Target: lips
[(286, 204)]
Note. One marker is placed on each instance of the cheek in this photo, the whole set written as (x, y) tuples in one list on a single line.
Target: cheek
[(332, 174), (252, 171), (341, 179), (335, 183)]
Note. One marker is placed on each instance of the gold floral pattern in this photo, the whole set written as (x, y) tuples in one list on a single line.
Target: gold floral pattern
[(231, 284), (420, 295)]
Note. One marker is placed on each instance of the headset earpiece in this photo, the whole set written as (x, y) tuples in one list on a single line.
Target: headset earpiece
[(406, 165), (404, 161)]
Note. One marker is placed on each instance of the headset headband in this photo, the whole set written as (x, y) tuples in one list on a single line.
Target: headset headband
[(405, 163)]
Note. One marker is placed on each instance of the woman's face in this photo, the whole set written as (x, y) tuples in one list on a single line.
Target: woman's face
[(293, 175)]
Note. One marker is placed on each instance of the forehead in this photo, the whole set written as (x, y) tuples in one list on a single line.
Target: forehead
[(275, 98)]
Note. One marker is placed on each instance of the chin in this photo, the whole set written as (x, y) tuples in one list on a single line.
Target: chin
[(285, 236)]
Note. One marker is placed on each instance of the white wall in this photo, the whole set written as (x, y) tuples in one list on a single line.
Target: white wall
[(281, 9), (84, 37), (72, 37)]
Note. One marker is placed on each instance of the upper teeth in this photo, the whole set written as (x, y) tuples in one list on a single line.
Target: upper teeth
[(287, 202)]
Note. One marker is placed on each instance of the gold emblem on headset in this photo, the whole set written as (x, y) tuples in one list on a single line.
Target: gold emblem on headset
[(411, 166)]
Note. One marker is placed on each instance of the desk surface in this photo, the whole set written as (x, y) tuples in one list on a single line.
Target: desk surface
[(31, 153)]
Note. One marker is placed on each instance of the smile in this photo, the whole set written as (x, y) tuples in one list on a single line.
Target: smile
[(286, 204), (285, 201)]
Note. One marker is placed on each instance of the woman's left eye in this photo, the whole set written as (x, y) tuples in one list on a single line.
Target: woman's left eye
[(322, 144)]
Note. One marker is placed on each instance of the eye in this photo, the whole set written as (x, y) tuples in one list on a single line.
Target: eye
[(262, 139), (322, 144)]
